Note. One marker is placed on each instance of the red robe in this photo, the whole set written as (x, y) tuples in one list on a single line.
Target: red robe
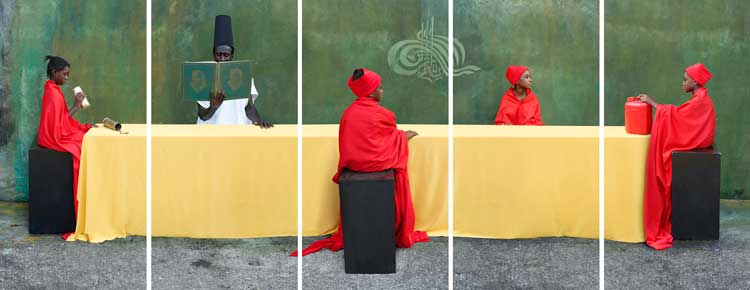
[(519, 112), (60, 132), (687, 127), (369, 141)]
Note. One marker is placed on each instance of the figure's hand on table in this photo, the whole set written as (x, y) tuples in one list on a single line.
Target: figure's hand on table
[(216, 98), (94, 126), (410, 134), (263, 124)]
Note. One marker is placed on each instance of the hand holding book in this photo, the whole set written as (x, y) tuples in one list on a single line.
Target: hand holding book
[(216, 98)]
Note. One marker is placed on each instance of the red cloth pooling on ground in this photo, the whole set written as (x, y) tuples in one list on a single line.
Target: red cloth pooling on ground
[(687, 127), (369, 141), (519, 112), (60, 132)]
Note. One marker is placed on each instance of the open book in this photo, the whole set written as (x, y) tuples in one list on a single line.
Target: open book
[(199, 78)]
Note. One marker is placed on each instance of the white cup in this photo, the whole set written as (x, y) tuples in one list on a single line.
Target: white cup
[(85, 104)]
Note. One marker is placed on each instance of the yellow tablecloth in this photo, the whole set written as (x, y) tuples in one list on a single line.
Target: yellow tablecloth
[(207, 182), (428, 174), (526, 182), (624, 184), (224, 181), (240, 181), (112, 184)]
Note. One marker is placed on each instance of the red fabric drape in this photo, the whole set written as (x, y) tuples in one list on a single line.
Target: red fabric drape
[(689, 126), (369, 141), (519, 112), (60, 132)]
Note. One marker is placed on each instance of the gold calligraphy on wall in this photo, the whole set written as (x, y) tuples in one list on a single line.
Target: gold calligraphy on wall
[(427, 56)]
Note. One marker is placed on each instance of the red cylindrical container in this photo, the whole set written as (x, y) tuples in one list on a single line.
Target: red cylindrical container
[(637, 117)]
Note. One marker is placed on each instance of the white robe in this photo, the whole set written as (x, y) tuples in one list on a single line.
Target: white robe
[(231, 112)]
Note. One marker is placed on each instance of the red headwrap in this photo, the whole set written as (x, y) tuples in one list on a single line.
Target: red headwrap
[(514, 73), (365, 85), (698, 73)]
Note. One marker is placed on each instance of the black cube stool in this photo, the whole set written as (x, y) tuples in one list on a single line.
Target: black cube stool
[(51, 208), (367, 217), (695, 194)]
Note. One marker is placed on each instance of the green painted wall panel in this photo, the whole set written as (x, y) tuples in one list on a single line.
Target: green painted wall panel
[(648, 44), (105, 43), (30, 29), (341, 35), (7, 118), (645, 52), (557, 40), (264, 31)]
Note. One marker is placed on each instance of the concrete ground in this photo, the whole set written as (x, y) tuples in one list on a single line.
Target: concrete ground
[(547, 263), (722, 264), (424, 266), (264, 263), (47, 262)]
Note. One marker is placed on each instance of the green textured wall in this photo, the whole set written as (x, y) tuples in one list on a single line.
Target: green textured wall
[(557, 40), (648, 44), (341, 35), (264, 30), (7, 119), (105, 43)]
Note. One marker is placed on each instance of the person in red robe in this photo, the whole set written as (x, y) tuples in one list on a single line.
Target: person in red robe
[(369, 141), (519, 105), (57, 128), (675, 128)]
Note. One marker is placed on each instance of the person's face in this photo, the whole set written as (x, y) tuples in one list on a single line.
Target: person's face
[(688, 84), (525, 80), (223, 53), (377, 94), (61, 76)]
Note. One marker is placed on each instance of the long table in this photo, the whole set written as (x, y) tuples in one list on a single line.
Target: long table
[(234, 181), (224, 181), (241, 181), (112, 184), (207, 182), (624, 184), (525, 181)]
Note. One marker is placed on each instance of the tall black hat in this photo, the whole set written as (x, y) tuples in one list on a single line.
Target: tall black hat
[(223, 31)]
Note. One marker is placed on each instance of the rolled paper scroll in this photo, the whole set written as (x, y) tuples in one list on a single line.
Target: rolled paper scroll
[(85, 104), (112, 124)]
